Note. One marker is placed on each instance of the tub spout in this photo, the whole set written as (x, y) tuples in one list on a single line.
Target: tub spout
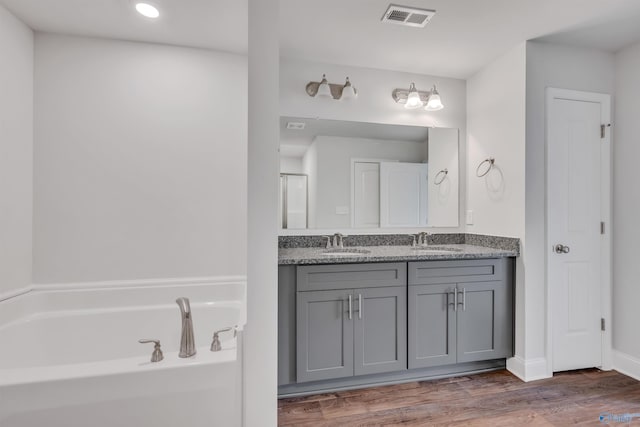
[(187, 342)]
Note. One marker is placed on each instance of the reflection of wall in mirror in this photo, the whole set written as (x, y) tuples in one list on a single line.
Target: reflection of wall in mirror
[(328, 164), (443, 197)]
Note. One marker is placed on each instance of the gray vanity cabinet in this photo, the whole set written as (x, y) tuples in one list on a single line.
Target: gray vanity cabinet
[(484, 326), (324, 335), (432, 326), (357, 326), (380, 330), (459, 311)]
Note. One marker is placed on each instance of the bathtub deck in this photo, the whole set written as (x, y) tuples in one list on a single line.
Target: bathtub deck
[(491, 399)]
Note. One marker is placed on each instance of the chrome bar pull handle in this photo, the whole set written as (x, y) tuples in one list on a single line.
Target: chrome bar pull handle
[(464, 299), (350, 306), (359, 306), (455, 299), (453, 294)]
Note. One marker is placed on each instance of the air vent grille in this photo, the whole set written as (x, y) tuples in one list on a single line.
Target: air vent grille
[(409, 16), (398, 15)]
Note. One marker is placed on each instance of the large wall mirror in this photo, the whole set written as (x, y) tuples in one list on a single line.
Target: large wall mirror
[(352, 175)]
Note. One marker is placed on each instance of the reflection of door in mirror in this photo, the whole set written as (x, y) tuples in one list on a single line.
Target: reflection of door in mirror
[(294, 201), (403, 194), (366, 194)]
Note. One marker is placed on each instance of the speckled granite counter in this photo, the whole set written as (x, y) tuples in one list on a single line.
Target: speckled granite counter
[(315, 255)]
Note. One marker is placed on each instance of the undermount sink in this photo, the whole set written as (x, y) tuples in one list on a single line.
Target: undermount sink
[(345, 252), (436, 249)]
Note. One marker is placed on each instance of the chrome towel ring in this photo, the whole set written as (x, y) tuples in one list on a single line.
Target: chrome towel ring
[(490, 161), (444, 173)]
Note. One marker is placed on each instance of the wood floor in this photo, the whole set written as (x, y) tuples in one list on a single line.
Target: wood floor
[(490, 399)]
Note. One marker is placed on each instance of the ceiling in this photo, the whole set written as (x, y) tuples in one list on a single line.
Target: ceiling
[(462, 37), (212, 24)]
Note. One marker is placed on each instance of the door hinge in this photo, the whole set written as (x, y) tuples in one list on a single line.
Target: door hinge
[(602, 129), (602, 324), (602, 227)]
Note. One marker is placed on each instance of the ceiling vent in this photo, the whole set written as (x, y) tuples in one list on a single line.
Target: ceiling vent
[(409, 16), (296, 125)]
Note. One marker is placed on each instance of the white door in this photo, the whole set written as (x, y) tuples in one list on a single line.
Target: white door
[(574, 186), (403, 194), (366, 195)]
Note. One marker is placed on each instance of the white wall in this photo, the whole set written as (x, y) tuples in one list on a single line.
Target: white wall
[(291, 165), (496, 128), (310, 168), (374, 103), (140, 161), (332, 178), (626, 205), (16, 152), (566, 67)]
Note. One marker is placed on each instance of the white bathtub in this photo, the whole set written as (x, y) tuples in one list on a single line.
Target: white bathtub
[(72, 358)]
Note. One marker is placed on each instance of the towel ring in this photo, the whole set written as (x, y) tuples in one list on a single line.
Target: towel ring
[(444, 173), (490, 161)]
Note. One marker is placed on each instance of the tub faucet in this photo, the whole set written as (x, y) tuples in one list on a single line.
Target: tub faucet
[(187, 342)]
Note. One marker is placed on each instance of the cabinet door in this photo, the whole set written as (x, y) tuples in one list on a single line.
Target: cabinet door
[(432, 325), (324, 335), (485, 321), (380, 330)]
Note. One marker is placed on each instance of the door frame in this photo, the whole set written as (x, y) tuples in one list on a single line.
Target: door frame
[(605, 211)]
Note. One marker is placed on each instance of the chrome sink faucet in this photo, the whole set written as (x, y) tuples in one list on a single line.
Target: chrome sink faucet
[(422, 238), (335, 241), (187, 342)]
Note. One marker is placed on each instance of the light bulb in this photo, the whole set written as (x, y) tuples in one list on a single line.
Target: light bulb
[(413, 99), (323, 88), (434, 103), (348, 91)]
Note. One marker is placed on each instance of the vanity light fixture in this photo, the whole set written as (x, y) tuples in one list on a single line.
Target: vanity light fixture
[(413, 98), (325, 89), (147, 10)]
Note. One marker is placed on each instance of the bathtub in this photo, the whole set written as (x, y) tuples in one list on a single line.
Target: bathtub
[(71, 357)]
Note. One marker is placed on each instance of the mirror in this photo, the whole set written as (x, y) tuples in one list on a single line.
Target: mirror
[(353, 175)]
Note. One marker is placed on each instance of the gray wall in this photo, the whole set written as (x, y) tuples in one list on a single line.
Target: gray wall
[(140, 161), (16, 152), (626, 204)]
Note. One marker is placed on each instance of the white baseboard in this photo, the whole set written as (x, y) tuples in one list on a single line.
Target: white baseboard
[(115, 284), (528, 370), (626, 364)]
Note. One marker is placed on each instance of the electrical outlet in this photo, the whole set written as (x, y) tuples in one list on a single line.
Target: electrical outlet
[(469, 220)]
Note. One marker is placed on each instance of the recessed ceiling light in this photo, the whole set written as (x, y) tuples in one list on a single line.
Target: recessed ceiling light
[(147, 10)]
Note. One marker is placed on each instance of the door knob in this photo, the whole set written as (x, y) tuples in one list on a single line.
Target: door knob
[(561, 249)]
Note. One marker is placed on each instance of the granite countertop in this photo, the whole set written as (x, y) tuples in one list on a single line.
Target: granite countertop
[(302, 256)]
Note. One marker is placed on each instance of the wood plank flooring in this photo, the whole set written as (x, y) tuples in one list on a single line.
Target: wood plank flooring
[(490, 399)]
